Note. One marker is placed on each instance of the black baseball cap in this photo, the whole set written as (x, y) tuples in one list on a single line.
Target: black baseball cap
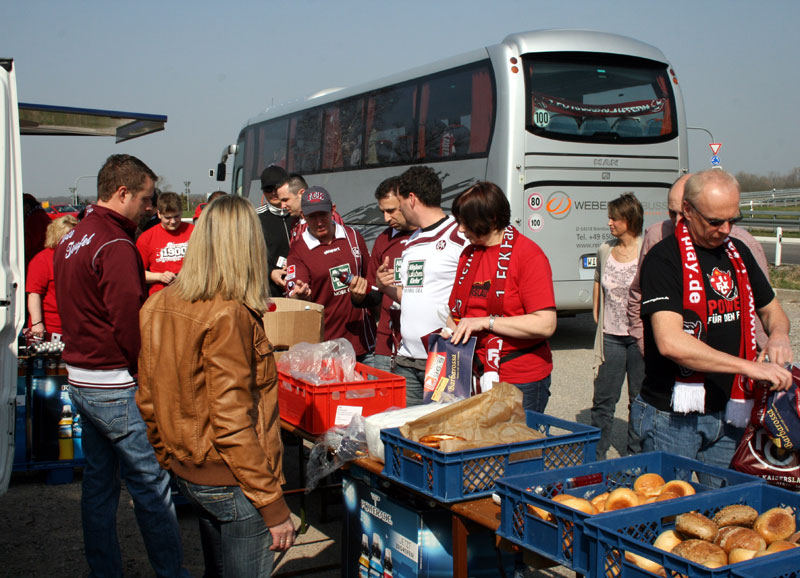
[(273, 177)]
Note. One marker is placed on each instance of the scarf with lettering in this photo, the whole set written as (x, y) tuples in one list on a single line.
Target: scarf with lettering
[(468, 265), (689, 393)]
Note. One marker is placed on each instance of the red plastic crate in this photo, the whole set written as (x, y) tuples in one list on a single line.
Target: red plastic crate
[(314, 408)]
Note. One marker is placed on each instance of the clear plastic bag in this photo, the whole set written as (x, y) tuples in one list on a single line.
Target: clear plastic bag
[(333, 449), (317, 363)]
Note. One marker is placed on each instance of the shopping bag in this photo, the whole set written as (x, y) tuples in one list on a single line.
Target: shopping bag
[(766, 448), (448, 371)]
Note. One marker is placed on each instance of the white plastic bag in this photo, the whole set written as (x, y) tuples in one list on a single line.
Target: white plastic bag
[(317, 363)]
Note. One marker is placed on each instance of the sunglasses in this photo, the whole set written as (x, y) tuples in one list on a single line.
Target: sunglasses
[(268, 190), (716, 222)]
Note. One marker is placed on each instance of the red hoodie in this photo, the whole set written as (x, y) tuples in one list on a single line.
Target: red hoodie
[(100, 280)]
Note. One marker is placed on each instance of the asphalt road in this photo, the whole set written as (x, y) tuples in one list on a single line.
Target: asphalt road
[(790, 252)]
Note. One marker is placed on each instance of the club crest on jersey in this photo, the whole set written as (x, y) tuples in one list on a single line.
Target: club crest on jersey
[(722, 284), (441, 244), (356, 252)]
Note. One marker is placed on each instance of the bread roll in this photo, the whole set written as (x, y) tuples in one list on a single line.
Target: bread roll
[(695, 525), (576, 503), (540, 513), (667, 540), (702, 552), (621, 498), (742, 538), (762, 553), (780, 546), (648, 485), (643, 563), (666, 496), (723, 533), (740, 555), (794, 538), (736, 515), (678, 487), (775, 524), (599, 502)]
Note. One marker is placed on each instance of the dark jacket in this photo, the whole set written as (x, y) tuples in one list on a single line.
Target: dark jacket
[(99, 279), (277, 231), (208, 391)]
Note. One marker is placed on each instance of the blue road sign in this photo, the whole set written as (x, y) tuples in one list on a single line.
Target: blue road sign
[(715, 160)]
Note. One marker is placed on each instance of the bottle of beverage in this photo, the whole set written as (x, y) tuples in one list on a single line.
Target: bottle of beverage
[(387, 563), (65, 449), (77, 435), (375, 566), (363, 560)]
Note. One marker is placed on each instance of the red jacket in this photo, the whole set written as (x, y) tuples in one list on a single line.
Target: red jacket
[(100, 280)]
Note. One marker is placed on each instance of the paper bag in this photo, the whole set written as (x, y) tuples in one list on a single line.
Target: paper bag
[(488, 419)]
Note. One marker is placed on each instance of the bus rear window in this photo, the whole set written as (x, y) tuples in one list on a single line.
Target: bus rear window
[(590, 97)]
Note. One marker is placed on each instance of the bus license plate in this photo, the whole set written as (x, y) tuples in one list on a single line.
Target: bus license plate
[(590, 261)]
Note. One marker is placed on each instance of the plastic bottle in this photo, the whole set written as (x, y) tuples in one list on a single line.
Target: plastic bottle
[(375, 566), (65, 449), (363, 560), (77, 435), (387, 563)]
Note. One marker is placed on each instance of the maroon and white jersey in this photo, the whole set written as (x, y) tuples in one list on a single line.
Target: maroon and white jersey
[(390, 243), (325, 268)]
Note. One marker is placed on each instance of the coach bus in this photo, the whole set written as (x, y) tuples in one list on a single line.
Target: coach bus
[(563, 120)]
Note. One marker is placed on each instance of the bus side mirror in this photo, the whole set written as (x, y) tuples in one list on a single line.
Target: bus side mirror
[(221, 172)]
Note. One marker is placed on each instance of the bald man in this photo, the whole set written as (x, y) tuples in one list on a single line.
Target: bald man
[(655, 233)]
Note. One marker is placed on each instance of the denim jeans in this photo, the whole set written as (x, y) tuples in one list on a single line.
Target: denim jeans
[(236, 541), (382, 362), (622, 357), (703, 437), (115, 443), (535, 394), (414, 372)]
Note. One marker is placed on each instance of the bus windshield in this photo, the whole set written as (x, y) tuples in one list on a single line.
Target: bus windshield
[(587, 97)]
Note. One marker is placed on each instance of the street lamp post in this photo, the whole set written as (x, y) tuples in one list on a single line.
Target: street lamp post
[(75, 188), (186, 192), (708, 132)]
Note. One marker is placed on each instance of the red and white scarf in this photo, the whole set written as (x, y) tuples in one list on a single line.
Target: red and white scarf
[(688, 394), (468, 266)]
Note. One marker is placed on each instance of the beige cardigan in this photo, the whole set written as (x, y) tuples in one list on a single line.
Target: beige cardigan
[(602, 256)]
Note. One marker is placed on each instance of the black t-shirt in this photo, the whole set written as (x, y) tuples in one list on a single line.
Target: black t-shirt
[(662, 290), (276, 234)]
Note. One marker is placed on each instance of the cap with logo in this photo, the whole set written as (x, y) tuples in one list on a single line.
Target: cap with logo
[(316, 200)]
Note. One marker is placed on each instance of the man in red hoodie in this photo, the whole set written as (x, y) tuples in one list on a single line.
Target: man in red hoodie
[(100, 273)]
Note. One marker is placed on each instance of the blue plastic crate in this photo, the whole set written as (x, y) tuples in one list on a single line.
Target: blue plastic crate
[(635, 529), (563, 539), (470, 474)]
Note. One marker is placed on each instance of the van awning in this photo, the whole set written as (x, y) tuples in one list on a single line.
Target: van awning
[(44, 119)]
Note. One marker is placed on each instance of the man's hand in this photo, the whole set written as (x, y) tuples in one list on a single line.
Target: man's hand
[(358, 289), (778, 349), (780, 379), (385, 275), (278, 276), (302, 290), (167, 277), (282, 535)]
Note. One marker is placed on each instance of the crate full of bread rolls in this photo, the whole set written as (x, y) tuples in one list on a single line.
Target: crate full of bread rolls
[(546, 511), (717, 534)]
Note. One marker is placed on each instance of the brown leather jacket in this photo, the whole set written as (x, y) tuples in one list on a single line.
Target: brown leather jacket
[(208, 392)]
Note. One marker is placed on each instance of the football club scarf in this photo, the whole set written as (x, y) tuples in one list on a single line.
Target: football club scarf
[(468, 266), (688, 394)]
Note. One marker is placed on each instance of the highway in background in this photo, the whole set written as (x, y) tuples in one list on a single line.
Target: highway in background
[(790, 251)]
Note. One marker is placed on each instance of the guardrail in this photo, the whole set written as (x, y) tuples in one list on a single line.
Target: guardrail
[(783, 197)]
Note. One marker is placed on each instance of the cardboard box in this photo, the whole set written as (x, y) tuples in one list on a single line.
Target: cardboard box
[(396, 535), (294, 321)]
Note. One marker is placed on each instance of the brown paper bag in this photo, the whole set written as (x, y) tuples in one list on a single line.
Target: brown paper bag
[(491, 418)]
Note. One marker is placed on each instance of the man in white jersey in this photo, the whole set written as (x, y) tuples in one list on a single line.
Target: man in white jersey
[(427, 272)]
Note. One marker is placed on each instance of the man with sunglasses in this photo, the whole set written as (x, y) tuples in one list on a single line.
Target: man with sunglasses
[(162, 247), (701, 292), (655, 233), (277, 224)]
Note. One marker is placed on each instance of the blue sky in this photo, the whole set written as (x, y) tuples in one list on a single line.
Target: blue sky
[(209, 66)]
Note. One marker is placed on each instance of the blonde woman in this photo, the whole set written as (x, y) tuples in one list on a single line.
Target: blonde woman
[(42, 306), (208, 391)]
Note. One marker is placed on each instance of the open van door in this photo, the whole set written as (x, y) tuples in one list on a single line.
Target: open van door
[(12, 262)]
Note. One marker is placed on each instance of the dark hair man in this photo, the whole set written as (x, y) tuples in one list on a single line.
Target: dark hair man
[(98, 267), (701, 290), (427, 272), (389, 245), (277, 224)]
